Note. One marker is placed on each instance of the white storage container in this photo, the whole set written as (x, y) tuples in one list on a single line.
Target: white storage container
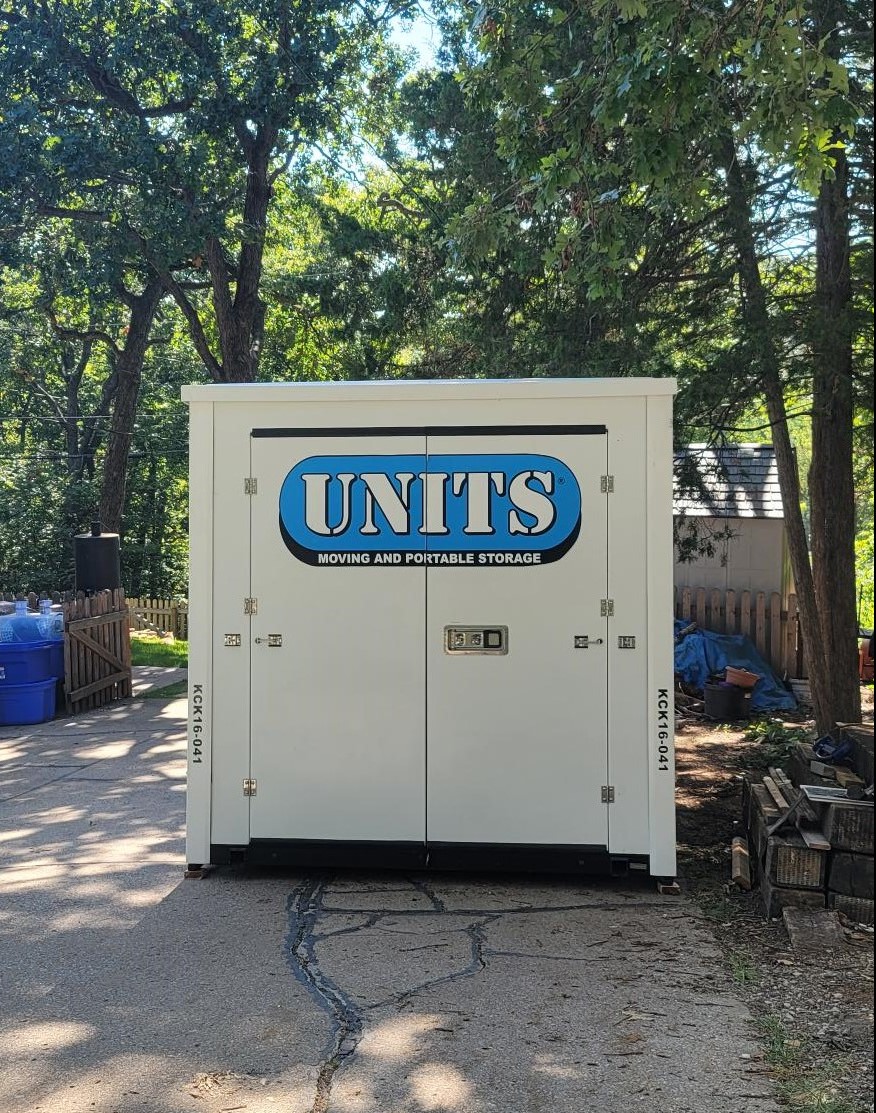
[(431, 624)]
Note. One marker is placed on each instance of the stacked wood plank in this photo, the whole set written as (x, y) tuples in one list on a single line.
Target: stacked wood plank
[(814, 854), (790, 864)]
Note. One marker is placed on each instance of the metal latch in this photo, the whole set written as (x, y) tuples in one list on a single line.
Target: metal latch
[(232, 639), (476, 639), (274, 641), (626, 641), (250, 786), (607, 794), (584, 641)]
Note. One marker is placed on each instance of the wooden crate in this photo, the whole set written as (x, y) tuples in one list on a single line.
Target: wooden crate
[(861, 737), (761, 812), (856, 908), (851, 875), (789, 862), (848, 826), (775, 898)]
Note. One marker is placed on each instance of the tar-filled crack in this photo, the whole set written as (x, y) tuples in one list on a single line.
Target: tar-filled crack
[(307, 910), (428, 892), (304, 908)]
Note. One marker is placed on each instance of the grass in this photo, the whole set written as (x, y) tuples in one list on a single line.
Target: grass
[(808, 1091), (742, 968), (153, 651), (169, 691)]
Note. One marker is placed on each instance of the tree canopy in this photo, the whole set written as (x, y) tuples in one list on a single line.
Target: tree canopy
[(272, 190)]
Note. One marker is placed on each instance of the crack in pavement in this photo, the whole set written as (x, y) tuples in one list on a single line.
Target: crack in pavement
[(304, 908), (307, 909), (477, 962)]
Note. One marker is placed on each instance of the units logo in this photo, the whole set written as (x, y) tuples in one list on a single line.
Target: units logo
[(456, 510)]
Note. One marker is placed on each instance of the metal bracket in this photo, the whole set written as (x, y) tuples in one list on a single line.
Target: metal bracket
[(250, 786), (606, 608), (250, 606), (250, 486), (607, 794), (606, 484)]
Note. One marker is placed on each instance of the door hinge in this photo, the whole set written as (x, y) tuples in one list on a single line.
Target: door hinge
[(608, 794), (606, 608), (606, 484), (250, 486), (250, 786), (250, 606)]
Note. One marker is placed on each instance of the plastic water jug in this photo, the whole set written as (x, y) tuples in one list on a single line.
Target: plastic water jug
[(27, 627), (50, 623)]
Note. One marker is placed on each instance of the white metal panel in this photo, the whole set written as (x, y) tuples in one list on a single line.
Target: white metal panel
[(338, 748), (430, 390), (231, 585), (628, 668), (200, 754), (659, 560), (517, 742), (238, 408)]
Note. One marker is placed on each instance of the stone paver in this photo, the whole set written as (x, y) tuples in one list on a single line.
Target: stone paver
[(126, 989)]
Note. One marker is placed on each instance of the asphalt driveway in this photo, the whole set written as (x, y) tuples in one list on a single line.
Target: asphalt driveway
[(125, 988)]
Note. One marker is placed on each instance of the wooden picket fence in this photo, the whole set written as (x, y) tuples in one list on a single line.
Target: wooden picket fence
[(164, 616), (774, 629), (97, 650)]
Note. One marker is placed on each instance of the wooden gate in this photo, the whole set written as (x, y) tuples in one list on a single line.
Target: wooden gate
[(97, 650)]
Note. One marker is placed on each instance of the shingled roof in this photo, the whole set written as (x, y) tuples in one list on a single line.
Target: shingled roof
[(736, 481)]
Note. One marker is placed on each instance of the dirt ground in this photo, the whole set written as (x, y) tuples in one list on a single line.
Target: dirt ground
[(816, 1017)]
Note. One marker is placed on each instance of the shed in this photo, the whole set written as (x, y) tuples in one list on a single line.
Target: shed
[(732, 489)]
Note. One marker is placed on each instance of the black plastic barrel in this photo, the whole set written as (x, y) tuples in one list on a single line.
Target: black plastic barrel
[(724, 703), (96, 557)]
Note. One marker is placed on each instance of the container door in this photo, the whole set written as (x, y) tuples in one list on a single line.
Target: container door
[(337, 653), (517, 638)]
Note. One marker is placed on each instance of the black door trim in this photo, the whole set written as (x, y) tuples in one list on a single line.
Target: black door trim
[(438, 431)]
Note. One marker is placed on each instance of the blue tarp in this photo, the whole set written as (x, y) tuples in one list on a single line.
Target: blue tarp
[(702, 653)]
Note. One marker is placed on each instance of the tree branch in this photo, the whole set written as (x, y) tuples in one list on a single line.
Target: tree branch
[(196, 329), (74, 334)]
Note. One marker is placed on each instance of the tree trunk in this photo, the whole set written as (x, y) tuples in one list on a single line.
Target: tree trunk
[(240, 316), (831, 475), (764, 350), (129, 368)]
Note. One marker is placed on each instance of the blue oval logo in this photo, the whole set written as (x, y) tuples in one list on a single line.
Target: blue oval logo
[(455, 509)]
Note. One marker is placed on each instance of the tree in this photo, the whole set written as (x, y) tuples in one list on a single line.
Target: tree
[(80, 331), (691, 114), (171, 125)]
